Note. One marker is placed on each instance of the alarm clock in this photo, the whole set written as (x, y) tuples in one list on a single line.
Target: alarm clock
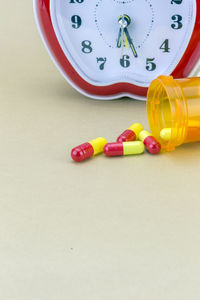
[(107, 49)]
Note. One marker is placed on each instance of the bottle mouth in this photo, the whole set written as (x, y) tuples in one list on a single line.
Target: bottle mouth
[(167, 112)]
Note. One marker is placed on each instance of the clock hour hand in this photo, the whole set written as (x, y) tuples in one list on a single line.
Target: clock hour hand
[(119, 40), (122, 38), (130, 42)]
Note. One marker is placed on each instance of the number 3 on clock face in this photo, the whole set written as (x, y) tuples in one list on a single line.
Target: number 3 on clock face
[(112, 48)]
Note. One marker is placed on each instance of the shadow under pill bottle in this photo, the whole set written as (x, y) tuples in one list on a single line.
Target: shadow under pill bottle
[(173, 110)]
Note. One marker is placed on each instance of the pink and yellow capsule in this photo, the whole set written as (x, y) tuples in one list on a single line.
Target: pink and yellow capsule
[(89, 149), (150, 142), (130, 134), (125, 148)]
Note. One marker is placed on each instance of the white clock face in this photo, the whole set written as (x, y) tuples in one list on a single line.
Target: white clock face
[(134, 41)]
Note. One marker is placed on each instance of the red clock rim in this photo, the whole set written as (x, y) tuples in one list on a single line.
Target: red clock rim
[(183, 69)]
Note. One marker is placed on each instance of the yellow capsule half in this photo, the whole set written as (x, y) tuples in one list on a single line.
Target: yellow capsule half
[(166, 134), (143, 135), (98, 145), (131, 148), (137, 128)]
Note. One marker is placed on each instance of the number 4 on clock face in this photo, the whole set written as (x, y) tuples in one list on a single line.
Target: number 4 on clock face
[(123, 45)]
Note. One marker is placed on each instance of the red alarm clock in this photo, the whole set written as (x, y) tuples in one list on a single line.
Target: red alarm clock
[(108, 49)]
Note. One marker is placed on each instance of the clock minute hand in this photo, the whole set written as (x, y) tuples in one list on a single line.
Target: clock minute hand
[(130, 42)]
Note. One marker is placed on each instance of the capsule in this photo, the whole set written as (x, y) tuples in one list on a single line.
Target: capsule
[(165, 134), (88, 150), (131, 134), (125, 148), (150, 142)]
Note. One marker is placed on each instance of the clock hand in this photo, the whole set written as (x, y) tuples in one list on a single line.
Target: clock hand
[(130, 42), (123, 24), (126, 40), (124, 21), (119, 41)]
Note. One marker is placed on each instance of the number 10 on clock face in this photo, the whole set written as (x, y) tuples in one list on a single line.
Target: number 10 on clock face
[(112, 48)]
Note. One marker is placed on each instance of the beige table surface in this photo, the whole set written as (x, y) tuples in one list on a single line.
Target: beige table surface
[(107, 229)]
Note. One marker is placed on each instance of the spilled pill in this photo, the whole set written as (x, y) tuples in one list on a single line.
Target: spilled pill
[(87, 150), (125, 148), (130, 134), (165, 134), (150, 142)]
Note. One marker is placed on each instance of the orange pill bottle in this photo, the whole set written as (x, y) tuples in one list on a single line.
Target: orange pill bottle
[(174, 104)]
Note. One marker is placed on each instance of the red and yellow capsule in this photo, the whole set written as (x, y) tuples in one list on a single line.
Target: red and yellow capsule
[(150, 142), (88, 150), (126, 148), (130, 134)]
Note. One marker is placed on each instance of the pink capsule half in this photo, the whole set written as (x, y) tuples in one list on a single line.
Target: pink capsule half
[(131, 134), (152, 145), (123, 149)]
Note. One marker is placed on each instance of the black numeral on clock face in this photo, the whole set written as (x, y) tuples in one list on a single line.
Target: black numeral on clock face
[(176, 1), (150, 64), (124, 61), (76, 1), (101, 61), (76, 20), (177, 22), (86, 47), (165, 46)]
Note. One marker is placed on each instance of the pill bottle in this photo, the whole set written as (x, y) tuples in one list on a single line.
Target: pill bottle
[(174, 104)]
